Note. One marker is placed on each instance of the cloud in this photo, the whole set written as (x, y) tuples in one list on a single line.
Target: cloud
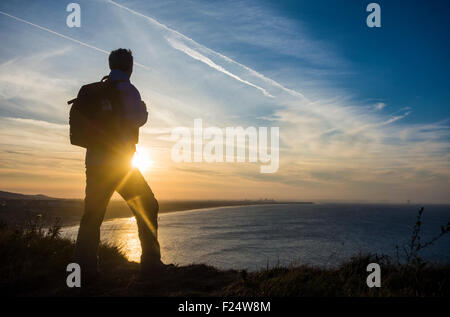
[(329, 146), (29, 90), (197, 56), (379, 106), (64, 36)]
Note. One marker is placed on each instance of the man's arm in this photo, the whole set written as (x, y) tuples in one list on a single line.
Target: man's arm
[(135, 110)]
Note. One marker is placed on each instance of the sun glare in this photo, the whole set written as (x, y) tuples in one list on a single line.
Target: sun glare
[(141, 159)]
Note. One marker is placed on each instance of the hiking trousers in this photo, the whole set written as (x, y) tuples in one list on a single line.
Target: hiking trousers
[(101, 182)]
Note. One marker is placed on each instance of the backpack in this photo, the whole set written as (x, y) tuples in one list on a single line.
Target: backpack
[(95, 116)]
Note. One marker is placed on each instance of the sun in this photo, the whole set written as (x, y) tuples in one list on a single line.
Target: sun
[(141, 159)]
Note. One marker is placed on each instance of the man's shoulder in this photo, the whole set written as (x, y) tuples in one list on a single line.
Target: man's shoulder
[(128, 88)]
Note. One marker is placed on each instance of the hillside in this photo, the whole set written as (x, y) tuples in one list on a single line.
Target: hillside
[(15, 196), (34, 264)]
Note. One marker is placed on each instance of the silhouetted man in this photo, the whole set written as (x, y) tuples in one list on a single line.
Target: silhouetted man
[(108, 169)]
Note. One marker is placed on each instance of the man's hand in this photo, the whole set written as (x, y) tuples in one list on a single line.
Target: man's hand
[(144, 110)]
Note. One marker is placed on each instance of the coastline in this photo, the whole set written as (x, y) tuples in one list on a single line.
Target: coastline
[(68, 212), (200, 208)]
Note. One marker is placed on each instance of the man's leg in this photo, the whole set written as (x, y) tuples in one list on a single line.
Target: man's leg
[(140, 198), (100, 185)]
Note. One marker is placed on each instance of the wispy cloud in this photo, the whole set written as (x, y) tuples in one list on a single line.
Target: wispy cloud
[(379, 106), (196, 55), (330, 146), (64, 36)]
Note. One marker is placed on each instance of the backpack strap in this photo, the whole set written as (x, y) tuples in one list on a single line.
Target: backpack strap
[(106, 78)]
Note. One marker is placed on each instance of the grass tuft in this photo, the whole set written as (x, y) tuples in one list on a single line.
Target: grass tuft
[(33, 262)]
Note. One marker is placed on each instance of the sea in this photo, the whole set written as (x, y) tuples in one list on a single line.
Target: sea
[(256, 237)]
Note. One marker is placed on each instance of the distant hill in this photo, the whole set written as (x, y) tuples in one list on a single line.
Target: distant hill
[(11, 196), (18, 208)]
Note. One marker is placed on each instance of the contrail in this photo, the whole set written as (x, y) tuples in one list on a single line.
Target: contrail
[(252, 71), (204, 60), (64, 36), (196, 55)]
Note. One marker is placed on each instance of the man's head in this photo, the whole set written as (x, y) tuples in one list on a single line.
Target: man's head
[(121, 59)]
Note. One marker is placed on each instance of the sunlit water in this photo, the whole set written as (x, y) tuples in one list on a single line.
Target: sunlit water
[(254, 237)]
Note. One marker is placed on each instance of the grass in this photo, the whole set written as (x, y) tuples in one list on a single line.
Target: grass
[(348, 279), (33, 263)]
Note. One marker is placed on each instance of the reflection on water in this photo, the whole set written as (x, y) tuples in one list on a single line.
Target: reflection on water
[(253, 237), (121, 232), (126, 235)]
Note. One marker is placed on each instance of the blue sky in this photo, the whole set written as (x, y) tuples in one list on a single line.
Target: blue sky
[(363, 112), (403, 62)]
